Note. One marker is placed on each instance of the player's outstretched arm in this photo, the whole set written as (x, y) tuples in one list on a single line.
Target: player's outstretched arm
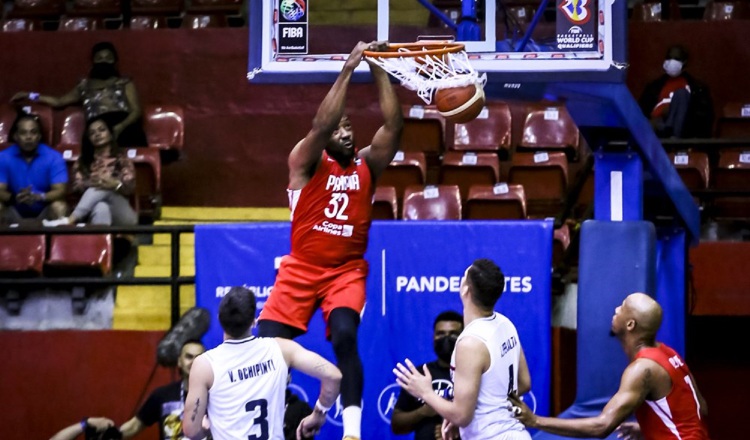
[(306, 154), (634, 387), (385, 143), (196, 403)]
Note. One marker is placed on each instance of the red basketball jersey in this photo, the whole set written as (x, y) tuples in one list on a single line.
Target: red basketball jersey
[(331, 215), (676, 416)]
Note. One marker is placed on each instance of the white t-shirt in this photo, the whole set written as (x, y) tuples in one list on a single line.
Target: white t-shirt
[(246, 399), (493, 418)]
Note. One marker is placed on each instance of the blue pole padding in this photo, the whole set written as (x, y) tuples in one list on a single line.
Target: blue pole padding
[(468, 28), (534, 21)]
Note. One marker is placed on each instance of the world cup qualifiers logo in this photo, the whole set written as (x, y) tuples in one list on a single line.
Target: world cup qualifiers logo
[(577, 11), (292, 10)]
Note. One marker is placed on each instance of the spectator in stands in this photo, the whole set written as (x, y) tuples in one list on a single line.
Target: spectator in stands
[(412, 414), (106, 177), (92, 428), (295, 410), (678, 105), (33, 176), (167, 404), (104, 94)]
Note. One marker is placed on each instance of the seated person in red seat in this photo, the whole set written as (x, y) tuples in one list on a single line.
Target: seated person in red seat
[(33, 176), (106, 94), (677, 104), (106, 177)]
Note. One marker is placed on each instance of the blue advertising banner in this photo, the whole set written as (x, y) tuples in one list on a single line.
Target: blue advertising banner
[(415, 273)]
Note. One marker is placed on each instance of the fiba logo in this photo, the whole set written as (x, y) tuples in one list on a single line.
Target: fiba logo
[(387, 401), (292, 10), (299, 392), (334, 416), (577, 11)]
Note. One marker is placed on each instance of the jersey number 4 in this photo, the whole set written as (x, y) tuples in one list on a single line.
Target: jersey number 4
[(261, 421), (336, 206)]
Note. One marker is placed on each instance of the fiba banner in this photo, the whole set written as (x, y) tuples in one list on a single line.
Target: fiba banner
[(577, 25), (292, 26), (415, 273)]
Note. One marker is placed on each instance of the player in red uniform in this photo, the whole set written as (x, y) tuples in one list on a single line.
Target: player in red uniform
[(330, 194), (657, 386)]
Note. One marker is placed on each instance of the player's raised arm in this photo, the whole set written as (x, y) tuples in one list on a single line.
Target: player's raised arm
[(385, 143), (306, 154), (635, 385)]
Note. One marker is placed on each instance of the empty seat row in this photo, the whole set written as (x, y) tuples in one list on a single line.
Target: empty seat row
[(55, 255), (164, 125), (113, 8), (544, 175), (732, 172), (545, 126), (734, 121), (140, 22), (651, 11)]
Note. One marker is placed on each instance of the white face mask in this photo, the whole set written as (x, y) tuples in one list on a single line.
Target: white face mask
[(673, 67)]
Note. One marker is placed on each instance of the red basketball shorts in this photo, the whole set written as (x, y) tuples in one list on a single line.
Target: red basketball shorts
[(302, 287)]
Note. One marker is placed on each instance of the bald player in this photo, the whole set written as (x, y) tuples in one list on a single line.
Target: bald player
[(657, 386)]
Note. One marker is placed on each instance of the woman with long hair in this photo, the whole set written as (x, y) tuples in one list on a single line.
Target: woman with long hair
[(105, 176)]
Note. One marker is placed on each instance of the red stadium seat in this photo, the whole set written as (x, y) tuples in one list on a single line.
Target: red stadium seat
[(40, 9), (549, 127), (21, 25), (544, 176), (490, 131), (71, 132), (451, 8), (406, 169), (147, 22), (147, 197), (735, 120), (732, 174), (496, 202), (68, 23), (22, 253), (521, 14), (441, 202), (164, 126), (156, 7), (693, 168), (718, 11), (202, 21), (385, 203), (89, 254), (7, 116), (423, 130), (467, 169), (649, 12)]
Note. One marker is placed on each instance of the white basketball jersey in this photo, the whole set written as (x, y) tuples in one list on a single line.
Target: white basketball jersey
[(492, 416), (246, 400)]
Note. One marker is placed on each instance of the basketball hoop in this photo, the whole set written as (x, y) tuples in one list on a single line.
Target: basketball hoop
[(426, 66)]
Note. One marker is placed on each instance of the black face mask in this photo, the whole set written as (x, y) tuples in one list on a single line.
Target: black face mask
[(444, 347), (103, 71)]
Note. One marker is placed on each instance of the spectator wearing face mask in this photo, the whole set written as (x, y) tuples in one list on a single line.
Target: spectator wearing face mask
[(104, 94), (678, 105), (413, 415)]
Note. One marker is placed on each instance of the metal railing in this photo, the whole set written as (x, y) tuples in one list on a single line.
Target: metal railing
[(174, 280)]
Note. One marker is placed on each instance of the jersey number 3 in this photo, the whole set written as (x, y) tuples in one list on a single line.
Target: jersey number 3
[(261, 421), (336, 206)]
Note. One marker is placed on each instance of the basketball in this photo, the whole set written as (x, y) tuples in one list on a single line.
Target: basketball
[(460, 104)]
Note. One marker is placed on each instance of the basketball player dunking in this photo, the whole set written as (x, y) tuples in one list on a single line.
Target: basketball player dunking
[(330, 195), (488, 364)]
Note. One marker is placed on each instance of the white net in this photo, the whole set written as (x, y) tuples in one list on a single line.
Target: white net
[(426, 73)]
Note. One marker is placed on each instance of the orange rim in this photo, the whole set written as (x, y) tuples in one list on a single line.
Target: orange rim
[(425, 48)]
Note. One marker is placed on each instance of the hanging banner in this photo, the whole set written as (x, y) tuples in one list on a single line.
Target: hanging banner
[(576, 25), (292, 26), (415, 273)]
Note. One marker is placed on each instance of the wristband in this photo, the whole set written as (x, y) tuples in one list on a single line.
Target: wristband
[(33, 96), (119, 185), (84, 424), (320, 408)]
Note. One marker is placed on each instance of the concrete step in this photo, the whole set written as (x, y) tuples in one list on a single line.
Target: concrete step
[(148, 307), (161, 255), (162, 271)]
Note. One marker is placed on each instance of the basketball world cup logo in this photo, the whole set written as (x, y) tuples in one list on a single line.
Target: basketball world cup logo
[(577, 11), (292, 10)]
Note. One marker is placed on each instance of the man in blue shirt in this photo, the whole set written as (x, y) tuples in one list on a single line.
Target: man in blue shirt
[(33, 176)]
